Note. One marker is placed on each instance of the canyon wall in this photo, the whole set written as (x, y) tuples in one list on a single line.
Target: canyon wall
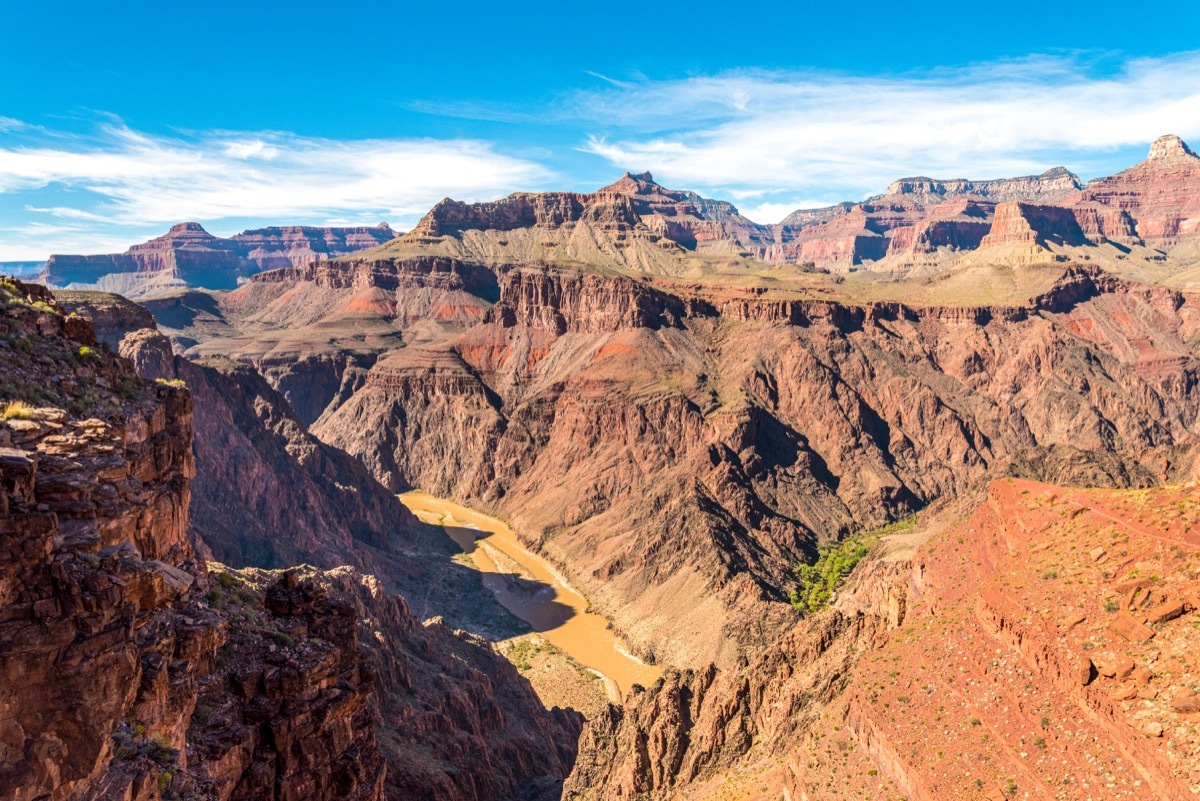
[(676, 454), (189, 256), (107, 633)]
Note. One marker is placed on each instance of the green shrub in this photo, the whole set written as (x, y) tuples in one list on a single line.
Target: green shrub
[(128, 387), (86, 355), (283, 640), (178, 383), (817, 582)]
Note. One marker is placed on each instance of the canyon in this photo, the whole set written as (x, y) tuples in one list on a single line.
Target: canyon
[(623, 419)]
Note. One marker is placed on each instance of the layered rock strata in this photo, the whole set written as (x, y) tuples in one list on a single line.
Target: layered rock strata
[(189, 256)]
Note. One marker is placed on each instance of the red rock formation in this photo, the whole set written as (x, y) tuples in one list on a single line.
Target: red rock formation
[(686, 217), (915, 215), (761, 426), (1161, 196), (559, 302), (1054, 184), (1029, 224), (106, 635), (525, 210), (131, 672), (299, 245)]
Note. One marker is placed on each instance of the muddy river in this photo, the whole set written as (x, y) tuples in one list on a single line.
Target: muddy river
[(529, 587)]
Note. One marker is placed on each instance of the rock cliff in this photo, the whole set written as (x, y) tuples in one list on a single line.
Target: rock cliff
[(1033, 225), (1160, 196), (1053, 184), (134, 671), (636, 225), (107, 633)]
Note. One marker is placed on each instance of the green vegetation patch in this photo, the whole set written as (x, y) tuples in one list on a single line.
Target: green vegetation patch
[(816, 583)]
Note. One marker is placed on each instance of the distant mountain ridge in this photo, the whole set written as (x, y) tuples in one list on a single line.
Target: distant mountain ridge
[(920, 225), (189, 256)]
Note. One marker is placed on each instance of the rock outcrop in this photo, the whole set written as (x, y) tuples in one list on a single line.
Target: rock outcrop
[(1034, 226), (600, 415), (1160, 196), (106, 634), (637, 225), (1054, 184), (995, 629)]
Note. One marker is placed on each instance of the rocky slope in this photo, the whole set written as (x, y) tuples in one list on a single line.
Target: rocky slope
[(106, 634), (135, 672), (268, 494), (189, 256), (1039, 646)]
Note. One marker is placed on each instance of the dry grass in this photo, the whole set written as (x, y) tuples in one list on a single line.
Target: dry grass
[(16, 410)]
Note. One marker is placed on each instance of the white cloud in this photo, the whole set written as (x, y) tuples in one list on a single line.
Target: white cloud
[(126, 178), (769, 213), (810, 133)]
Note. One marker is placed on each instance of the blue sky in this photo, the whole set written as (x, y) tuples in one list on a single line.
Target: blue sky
[(119, 119)]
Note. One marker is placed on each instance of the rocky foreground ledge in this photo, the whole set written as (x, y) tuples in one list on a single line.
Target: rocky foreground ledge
[(131, 669)]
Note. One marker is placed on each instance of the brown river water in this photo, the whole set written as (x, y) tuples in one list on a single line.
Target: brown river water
[(529, 587)]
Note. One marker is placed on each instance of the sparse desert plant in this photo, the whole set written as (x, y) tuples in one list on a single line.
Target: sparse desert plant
[(16, 410), (178, 383), (86, 355)]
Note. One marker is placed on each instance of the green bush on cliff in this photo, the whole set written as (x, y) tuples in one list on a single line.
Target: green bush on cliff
[(816, 583)]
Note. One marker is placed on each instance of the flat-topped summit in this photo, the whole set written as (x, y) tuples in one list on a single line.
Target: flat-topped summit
[(1054, 183), (188, 255), (192, 227)]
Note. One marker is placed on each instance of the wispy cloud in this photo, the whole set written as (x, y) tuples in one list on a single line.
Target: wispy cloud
[(122, 177), (833, 136)]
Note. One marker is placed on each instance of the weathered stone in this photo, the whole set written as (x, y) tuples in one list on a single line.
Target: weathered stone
[(1165, 611), (1087, 671), (1186, 701), (1129, 628)]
